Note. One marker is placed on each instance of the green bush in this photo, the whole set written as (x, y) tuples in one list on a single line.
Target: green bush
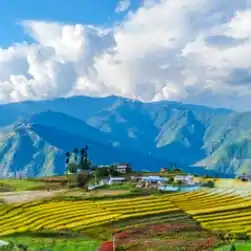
[(240, 236), (209, 184)]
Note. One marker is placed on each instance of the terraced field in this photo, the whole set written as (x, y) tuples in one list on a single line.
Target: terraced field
[(217, 210), (224, 210), (77, 215)]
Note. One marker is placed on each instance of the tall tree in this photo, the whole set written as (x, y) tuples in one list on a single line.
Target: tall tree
[(75, 151), (67, 160), (77, 161)]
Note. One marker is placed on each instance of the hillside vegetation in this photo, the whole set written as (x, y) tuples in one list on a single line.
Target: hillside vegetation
[(35, 135), (193, 220)]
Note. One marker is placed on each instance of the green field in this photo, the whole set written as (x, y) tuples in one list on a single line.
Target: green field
[(239, 247), (55, 244), (22, 185)]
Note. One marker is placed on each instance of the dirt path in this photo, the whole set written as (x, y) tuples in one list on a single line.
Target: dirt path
[(17, 197)]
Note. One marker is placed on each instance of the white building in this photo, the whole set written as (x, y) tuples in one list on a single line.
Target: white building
[(245, 177), (187, 179), (114, 180), (122, 168), (154, 179)]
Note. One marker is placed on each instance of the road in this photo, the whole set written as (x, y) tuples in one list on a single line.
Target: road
[(24, 196)]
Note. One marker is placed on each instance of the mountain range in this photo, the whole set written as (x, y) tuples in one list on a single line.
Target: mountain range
[(34, 135)]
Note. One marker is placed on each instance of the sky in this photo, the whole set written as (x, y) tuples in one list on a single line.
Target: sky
[(190, 51)]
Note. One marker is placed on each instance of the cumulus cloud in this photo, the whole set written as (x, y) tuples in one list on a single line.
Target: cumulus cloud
[(194, 51), (122, 6)]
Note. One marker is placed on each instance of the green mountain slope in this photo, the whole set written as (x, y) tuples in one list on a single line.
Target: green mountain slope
[(23, 150), (161, 132)]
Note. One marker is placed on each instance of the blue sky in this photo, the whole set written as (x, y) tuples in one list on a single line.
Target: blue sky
[(95, 12)]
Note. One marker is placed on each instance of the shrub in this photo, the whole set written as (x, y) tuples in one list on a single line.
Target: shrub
[(81, 179), (209, 184), (240, 236)]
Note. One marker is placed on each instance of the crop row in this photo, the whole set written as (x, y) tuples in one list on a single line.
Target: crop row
[(214, 210), (78, 215), (217, 211)]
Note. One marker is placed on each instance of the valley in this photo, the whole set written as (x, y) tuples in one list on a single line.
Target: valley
[(36, 134)]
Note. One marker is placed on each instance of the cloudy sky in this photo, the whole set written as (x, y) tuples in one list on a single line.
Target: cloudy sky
[(191, 51)]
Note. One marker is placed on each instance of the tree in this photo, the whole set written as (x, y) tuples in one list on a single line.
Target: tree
[(84, 162), (232, 248), (75, 151), (67, 160), (77, 161), (170, 180), (179, 182), (113, 170), (99, 173), (72, 168)]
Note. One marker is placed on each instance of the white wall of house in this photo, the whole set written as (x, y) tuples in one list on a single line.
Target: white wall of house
[(188, 179), (116, 180)]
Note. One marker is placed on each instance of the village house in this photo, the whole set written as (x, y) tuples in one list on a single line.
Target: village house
[(245, 177), (136, 178), (186, 179), (154, 179), (122, 168), (115, 180)]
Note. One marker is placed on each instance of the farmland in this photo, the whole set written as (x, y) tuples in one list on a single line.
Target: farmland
[(160, 219)]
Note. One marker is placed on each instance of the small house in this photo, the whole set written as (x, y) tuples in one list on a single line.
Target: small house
[(186, 179), (244, 177), (122, 168), (136, 178), (154, 179), (115, 180)]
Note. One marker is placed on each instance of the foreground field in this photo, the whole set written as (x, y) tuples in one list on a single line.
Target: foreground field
[(55, 243), (7, 185), (169, 220), (240, 246), (219, 210)]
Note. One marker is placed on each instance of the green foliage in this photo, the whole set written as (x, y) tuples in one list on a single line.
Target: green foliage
[(240, 236), (100, 173), (52, 244), (77, 160), (72, 168), (82, 178), (21, 185), (170, 180), (209, 184)]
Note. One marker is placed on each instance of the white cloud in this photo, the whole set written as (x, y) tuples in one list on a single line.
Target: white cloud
[(122, 6), (196, 51)]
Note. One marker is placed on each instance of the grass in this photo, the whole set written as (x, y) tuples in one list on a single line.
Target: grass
[(240, 246), (55, 244), (123, 186), (23, 185)]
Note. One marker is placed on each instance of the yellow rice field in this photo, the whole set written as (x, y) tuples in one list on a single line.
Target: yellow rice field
[(224, 211), (214, 210), (77, 215)]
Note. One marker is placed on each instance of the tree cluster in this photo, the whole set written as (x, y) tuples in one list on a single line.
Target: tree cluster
[(77, 160), (106, 172)]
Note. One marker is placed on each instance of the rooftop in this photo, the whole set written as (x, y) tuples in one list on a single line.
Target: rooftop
[(117, 178), (154, 178)]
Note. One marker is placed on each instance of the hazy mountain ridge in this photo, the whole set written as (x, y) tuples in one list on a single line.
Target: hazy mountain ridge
[(35, 135)]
